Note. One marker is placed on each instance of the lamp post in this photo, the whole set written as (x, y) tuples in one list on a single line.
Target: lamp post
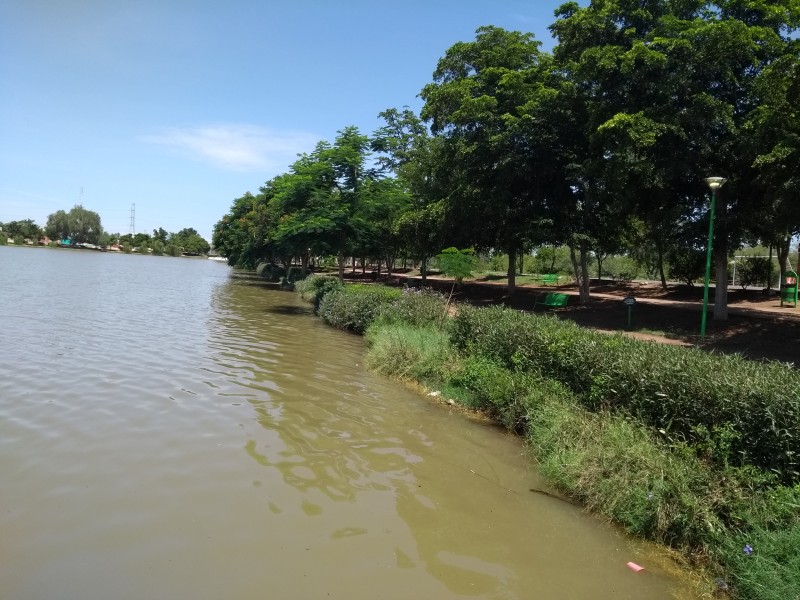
[(714, 183)]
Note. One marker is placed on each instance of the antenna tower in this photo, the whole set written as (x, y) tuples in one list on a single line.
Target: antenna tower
[(133, 219)]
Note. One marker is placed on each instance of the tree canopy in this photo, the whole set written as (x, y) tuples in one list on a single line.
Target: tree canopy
[(602, 144)]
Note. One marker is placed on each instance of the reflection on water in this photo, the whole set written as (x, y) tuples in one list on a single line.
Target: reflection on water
[(174, 431)]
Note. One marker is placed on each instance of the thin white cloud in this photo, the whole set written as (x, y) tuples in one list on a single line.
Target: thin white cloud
[(236, 147)]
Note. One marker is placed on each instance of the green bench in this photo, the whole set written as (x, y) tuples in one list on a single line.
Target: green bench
[(550, 278), (546, 279), (551, 300)]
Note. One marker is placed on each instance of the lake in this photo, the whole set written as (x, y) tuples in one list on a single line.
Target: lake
[(171, 428)]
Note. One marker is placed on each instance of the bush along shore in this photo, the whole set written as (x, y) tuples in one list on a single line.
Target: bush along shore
[(693, 450)]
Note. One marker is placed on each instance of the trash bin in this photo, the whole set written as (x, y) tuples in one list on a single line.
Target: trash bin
[(789, 289)]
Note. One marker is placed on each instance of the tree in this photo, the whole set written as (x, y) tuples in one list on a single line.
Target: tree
[(479, 104), (79, 225), (28, 229), (190, 241), (241, 235), (406, 149), (161, 235)]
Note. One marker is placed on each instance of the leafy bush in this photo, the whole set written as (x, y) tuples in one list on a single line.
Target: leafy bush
[(754, 270), (686, 265), (740, 411), (3, 238), (415, 306), (313, 288), (494, 390), (621, 267), (354, 307)]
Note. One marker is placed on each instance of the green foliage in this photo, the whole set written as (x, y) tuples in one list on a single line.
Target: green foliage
[(27, 228), (456, 263), (409, 352), (686, 265), (749, 413), (189, 241), (549, 259), (3, 238), (621, 268), (79, 225), (419, 307), (157, 247), (314, 288), (754, 270), (127, 248), (354, 307), (494, 390), (765, 564)]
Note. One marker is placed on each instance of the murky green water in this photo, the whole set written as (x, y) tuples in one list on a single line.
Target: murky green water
[(171, 430)]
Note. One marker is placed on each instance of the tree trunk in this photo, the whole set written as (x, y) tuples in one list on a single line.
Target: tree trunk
[(304, 259), (660, 252), (389, 266), (341, 267), (783, 256), (521, 262), (423, 270), (512, 272), (353, 258), (721, 281), (599, 258), (363, 266), (580, 269)]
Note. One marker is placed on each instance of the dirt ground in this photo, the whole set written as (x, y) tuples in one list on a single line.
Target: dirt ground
[(757, 326)]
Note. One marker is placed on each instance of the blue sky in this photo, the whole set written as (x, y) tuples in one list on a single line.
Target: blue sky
[(182, 106)]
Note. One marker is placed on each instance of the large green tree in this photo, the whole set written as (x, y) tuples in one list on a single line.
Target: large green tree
[(27, 229), (79, 225), (406, 149), (476, 104)]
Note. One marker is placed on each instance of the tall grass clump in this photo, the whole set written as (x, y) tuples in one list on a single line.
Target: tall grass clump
[(764, 564), (354, 307), (408, 352)]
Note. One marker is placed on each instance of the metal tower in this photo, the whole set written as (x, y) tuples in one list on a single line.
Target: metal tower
[(133, 219)]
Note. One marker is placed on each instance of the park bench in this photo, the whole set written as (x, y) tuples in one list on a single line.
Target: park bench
[(550, 278), (551, 300), (546, 279)]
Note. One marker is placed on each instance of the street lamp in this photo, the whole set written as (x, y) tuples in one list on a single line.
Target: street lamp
[(714, 183)]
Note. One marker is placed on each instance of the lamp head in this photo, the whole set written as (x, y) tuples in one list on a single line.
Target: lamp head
[(715, 182)]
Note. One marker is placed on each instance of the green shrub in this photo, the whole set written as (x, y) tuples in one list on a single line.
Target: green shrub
[(754, 270), (354, 307), (737, 411), (415, 306), (313, 288), (686, 264), (3, 238), (492, 389)]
